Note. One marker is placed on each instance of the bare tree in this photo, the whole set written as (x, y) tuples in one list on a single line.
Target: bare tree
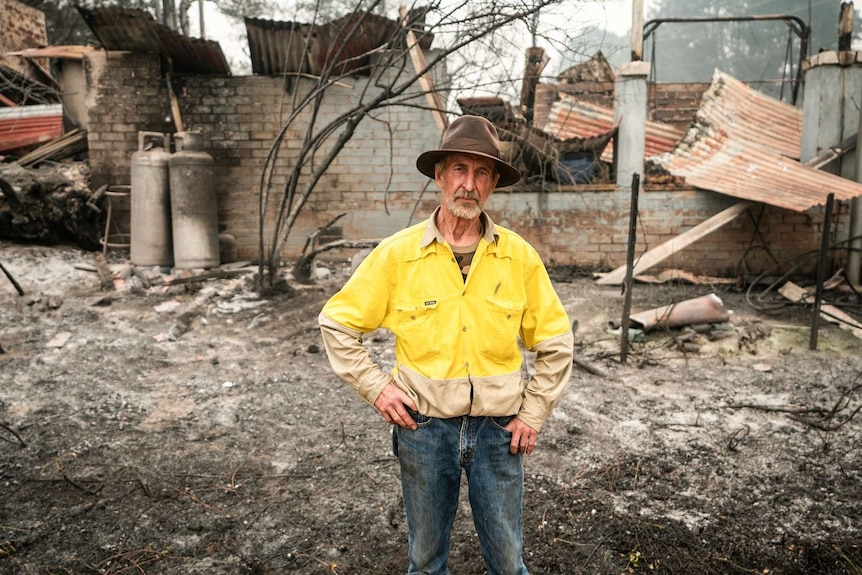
[(459, 26)]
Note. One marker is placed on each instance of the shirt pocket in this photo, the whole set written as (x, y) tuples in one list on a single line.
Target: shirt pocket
[(418, 329), (502, 324)]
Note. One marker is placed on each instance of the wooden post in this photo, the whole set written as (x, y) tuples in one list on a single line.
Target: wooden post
[(670, 247), (419, 63), (637, 30)]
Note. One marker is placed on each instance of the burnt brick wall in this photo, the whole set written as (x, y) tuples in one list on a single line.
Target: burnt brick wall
[(590, 228), (21, 27), (374, 180)]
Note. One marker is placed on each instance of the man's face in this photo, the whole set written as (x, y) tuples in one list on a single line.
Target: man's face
[(467, 182)]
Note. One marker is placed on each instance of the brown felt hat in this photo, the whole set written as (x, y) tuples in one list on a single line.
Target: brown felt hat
[(470, 135)]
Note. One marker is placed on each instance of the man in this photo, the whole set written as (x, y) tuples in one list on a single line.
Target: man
[(457, 292)]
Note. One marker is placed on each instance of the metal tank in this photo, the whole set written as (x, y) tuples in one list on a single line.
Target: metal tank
[(194, 214), (150, 242)]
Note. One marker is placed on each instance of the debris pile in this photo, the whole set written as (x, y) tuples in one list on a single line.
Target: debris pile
[(49, 204)]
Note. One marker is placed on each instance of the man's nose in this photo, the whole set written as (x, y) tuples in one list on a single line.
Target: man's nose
[(470, 181)]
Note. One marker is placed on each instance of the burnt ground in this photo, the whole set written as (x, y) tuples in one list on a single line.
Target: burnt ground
[(199, 430)]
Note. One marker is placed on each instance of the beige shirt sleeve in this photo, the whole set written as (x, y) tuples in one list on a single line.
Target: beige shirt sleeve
[(553, 369), (350, 360)]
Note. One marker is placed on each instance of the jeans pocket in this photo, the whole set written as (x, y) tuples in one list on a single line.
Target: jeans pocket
[(502, 422), (421, 420)]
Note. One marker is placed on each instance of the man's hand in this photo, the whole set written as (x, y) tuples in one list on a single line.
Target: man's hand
[(523, 437), (390, 403)]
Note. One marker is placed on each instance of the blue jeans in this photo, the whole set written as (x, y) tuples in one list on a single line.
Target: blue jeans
[(432, 458)]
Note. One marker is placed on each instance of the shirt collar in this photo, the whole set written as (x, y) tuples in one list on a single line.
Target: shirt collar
[(432, 233)]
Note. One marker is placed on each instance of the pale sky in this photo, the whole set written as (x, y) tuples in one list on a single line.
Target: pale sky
[(612, 15)]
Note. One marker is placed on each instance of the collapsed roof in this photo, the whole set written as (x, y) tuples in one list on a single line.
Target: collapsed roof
[(137, 31), (746, 145), (741, 143), (278, 47)]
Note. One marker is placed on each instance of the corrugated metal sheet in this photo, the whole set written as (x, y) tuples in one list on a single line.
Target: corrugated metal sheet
[(293, 47), (712, 159), (137, 31), (750, 116), (277, 47), (572, 118), (25, 126), (746, 145)]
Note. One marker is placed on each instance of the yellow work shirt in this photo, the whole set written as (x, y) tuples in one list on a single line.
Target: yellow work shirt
[(456, 341)]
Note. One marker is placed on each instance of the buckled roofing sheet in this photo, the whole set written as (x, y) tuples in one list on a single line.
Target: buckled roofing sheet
[(751, 116), (293, 47), (573, 118), (715, 161), (744, 145), (137, 31)]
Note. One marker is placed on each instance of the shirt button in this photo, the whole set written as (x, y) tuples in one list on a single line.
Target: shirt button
[(464, 329)]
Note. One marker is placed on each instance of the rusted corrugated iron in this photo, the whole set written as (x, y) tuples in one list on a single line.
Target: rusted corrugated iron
[(277, 47), (297, 48), (137, 31), (25, 126), (573, 118), (746, 145), (751, 116), (710, 158), (349, 40)]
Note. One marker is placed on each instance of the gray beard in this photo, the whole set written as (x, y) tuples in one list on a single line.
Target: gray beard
[(461, 211)]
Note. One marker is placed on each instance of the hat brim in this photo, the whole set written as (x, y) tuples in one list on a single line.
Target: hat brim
[(427, 160)]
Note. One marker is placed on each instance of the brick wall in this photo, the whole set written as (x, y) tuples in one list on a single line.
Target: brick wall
[(671, 103), (21, 27), (374, 180)]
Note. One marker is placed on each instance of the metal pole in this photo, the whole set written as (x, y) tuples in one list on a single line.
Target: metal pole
[(630, 263), (854, 248), (821, 272), (201, 8)]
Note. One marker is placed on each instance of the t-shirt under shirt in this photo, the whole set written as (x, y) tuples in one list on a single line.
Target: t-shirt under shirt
[(464, 257)]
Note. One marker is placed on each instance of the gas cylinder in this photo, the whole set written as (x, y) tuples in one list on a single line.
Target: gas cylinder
[(150, 242), (194, 214), (226, 245)]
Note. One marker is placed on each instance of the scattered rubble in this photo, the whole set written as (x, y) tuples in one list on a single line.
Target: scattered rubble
[(168, 436), (51, 204)]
